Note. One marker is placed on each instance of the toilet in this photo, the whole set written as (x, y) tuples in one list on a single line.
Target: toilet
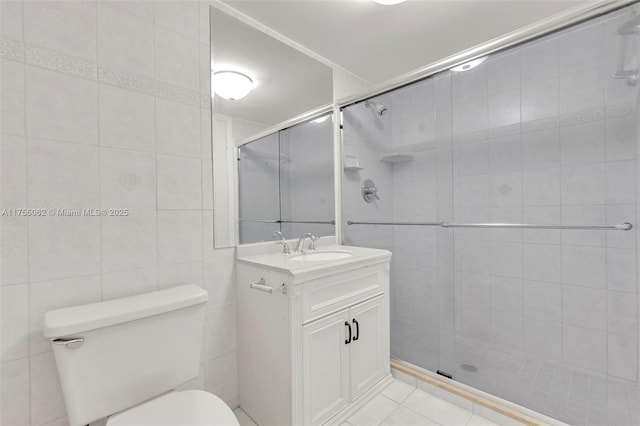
[(123, 358)]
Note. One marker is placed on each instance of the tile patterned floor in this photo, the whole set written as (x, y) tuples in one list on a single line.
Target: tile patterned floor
[(400, 404)]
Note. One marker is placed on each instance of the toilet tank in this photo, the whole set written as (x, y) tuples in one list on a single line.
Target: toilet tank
[(132, 349)]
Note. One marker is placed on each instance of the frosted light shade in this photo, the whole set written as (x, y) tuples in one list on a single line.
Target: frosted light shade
[(231, 85)]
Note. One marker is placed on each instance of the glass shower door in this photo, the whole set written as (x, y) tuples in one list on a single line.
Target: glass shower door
[(401, 141), (545, 133)]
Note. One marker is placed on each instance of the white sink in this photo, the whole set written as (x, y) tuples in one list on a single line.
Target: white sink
[(320, 256)]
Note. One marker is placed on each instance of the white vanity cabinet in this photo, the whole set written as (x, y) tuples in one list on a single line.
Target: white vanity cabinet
[(344, 354), (318, 342)]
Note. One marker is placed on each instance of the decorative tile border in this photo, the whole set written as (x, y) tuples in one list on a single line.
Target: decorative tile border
[(499, 132), (126, 80), (78, 67), (178, 94), (60, 62), (205, 101), (581, 117), (620, 110), (540, 124), (471, 137), (552, 122), (11, 50)]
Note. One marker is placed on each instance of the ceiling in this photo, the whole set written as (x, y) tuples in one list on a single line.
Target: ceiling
[(377, 42)]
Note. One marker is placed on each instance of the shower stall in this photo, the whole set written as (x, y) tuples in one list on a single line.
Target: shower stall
[(506, 189)]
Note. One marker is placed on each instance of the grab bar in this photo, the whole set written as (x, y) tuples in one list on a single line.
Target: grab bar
[(623, 226)]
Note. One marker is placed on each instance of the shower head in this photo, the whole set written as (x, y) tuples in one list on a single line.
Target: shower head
[(379, 108)]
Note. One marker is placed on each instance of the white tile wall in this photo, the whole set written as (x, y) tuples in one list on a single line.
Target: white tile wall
[(101, 108), (12, 91), (14, 250), (14, 393), (127, 119), (62, 26), (177, 129), (60, 107), (128, 178), (125, 41)]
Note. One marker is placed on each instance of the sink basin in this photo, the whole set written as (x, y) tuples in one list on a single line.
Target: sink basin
[(320, 256)]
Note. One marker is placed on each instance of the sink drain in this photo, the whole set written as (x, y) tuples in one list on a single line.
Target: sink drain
[(470, 368)]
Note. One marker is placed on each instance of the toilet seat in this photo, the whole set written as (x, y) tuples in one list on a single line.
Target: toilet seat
[(185, 408)]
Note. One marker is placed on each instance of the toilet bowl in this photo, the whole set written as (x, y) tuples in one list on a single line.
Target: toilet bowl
[(192, 407), (122, 359)]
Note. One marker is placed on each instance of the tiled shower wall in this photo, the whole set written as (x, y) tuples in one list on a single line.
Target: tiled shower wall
[(105, 105), (540, 133), (544, 134), (364, 137)]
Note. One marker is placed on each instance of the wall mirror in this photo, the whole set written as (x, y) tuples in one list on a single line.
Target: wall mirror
[(285, 182), (286, 84)]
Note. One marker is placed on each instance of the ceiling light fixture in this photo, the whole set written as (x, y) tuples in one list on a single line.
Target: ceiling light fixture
[(469, 65), (388, 2), (232, 85)]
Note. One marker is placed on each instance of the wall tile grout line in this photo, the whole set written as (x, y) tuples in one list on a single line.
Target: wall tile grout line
[(26, 159), (99, 147), (155, 145)]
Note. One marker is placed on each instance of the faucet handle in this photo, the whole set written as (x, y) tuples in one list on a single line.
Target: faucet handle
[(279, 235)]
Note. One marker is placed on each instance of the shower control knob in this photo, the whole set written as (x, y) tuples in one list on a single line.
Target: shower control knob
[(369, 191)]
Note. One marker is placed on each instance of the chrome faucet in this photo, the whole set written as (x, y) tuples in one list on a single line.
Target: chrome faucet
[(310, 236), (285, 246), (282, 241)]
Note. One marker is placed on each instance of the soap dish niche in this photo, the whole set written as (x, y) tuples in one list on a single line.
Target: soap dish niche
[(396, 157), (352, 163)]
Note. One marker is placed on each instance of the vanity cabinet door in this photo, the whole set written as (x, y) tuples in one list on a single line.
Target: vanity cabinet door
[(369, 360), (326, 366)]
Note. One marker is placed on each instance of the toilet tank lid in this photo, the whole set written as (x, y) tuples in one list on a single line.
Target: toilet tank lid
[(76, 319)]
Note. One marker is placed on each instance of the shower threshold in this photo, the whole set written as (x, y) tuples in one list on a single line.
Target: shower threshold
[(486, 405)]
